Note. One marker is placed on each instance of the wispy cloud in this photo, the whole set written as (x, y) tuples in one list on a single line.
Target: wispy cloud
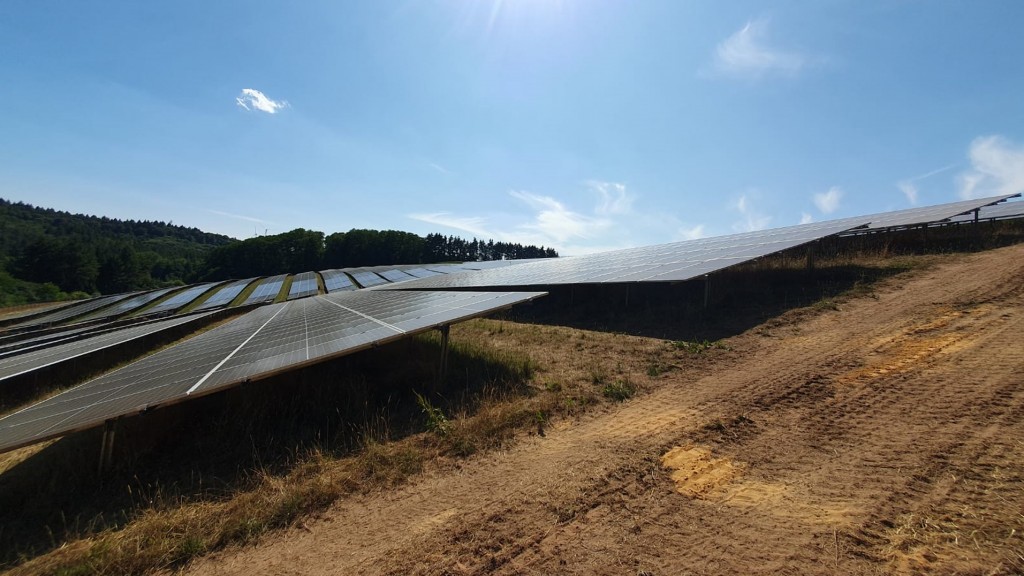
[(549, 221), (439, 168), (238, 216), (614, 197), (252, 99), (752, 218), (748, 53), (997, 167), (806, 218), (828, 202), (555, 221), (691, 232), (473, 224), (909, 188)]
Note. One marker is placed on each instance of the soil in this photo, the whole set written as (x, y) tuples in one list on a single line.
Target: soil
[(884, 434)]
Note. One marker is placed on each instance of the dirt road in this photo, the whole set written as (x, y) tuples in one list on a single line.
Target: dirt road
[(885, 436)]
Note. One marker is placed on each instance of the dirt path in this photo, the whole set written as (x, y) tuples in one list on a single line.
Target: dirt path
[(885, 436)]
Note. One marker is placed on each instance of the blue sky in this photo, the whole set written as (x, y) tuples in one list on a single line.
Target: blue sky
[(583, 125)]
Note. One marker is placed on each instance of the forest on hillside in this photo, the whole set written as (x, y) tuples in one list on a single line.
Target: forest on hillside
[(48, 255), (301, 250)]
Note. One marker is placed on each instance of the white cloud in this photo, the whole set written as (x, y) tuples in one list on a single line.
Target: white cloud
[(252, 99), (691, 233), (548, 221), (753, 219), (556, 222), (909, 190), (474, 225), (828, 202), (615, 199), (747, 53), (997, 167), (806, 218)]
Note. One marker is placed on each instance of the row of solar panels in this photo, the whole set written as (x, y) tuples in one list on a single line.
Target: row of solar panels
[(218, 295), (265, 341), (680, 261), (284, 336)]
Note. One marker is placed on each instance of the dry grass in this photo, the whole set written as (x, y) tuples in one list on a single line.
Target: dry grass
[(497, 389)]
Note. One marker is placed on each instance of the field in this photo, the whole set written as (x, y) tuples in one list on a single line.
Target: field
[(879, 429)]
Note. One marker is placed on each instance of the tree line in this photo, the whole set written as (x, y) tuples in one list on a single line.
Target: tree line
[(301, 250), (47, 254)]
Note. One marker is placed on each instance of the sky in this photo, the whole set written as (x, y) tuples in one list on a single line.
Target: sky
[(583, 125)]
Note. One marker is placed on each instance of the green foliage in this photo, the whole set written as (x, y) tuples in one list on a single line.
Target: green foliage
[(301, 250), (696, 347), (74, 252), (437, 422), (619, 390)]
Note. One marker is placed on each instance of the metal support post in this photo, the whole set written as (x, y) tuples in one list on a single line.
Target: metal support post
[(443, 368), (107, 445), (810, 256), (707, 290)]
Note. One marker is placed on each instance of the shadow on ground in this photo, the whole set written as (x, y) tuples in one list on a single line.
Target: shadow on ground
[(209, 448)]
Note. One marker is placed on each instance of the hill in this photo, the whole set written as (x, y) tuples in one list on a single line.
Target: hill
[(46, 254)]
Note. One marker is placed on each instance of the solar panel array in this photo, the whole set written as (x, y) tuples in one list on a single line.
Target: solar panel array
[(260, 343), (266, 291), (928, 214), (127, 305), (1005, 211), (42, 338), (396, 275), (225, 295), (36, 310), (336, 280), (26, 360), (181, 299), (366, 278), (420, 272), (663, 263), (77, 310), (303, 285)]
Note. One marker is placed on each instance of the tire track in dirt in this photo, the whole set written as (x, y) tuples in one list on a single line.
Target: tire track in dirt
[(853, 423)]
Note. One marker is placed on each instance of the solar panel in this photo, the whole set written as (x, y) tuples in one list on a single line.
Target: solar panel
[(265, 341), (266, 291), (41, 338), (22, 361), (181, 299), (662, 263), (929, 214), (1004, 211), (225, 295), (365, 278), (447, 268), (303, 285), (76, 310), (488, 264), (337, 280), (36, 310), (420, 272), (127, 305), (395, 275)]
